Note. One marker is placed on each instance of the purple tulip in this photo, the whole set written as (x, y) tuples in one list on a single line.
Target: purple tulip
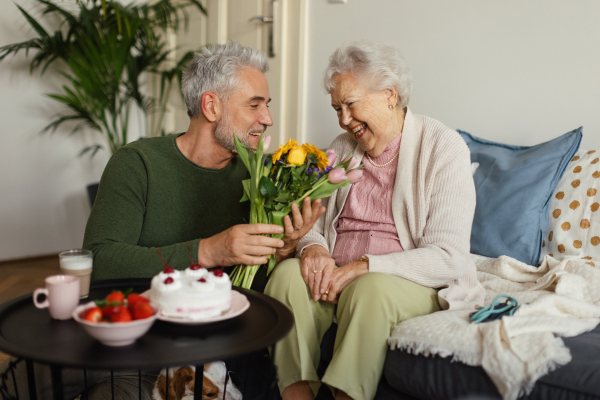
[(355, 176), (337, 175), (331, 156), (266, 142)]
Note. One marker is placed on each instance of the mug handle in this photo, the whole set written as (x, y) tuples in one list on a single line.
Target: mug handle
[(36, 293)]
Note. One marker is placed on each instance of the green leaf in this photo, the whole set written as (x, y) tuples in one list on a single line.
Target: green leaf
[(242, 153), (246, 185), (266, 187)]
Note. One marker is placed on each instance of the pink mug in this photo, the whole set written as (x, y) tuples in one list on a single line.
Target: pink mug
[(62, 295)]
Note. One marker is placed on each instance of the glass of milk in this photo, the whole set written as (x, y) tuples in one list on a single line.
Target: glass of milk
[(78, 263)]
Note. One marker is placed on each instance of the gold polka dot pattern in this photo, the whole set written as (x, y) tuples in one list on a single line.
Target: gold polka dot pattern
[(591, 151), (573, 230), (556, 213)]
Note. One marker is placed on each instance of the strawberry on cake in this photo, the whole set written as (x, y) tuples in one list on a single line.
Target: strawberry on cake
[(195, 293)]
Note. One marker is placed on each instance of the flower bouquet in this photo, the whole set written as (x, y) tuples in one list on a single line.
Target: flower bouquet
[(286, 177)]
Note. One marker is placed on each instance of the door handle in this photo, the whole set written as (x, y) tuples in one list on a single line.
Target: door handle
[(268, 20), (273, 26)]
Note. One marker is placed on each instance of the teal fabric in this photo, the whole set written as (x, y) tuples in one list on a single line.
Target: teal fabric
[(514, 185)]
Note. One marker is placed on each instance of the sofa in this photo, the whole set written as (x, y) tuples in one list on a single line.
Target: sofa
[(531, 202)]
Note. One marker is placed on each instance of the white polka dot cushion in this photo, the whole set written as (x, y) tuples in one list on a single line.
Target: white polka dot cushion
[(574, 223)]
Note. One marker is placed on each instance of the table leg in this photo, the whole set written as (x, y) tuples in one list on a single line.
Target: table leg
[(199, 377), (31, 380), (14, 379), (57, 384), (274, 384), (140, 384), (226, 380), (85, 385), (112, 385)]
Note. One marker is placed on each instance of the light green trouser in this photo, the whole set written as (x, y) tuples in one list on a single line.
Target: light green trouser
[(367, 311)]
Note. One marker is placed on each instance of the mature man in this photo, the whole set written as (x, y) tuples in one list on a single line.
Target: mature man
[(168, 191)]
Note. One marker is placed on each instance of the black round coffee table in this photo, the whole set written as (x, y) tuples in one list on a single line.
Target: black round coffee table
[(29, 332)]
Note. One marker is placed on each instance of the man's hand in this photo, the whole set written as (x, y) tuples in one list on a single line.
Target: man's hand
[(240, 244), (315, 264), (340, 278), (302, 223)]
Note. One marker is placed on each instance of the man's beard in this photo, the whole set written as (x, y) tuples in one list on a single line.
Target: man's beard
[(225, 130)]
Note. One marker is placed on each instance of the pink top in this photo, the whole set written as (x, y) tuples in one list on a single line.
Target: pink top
[(366, 224)]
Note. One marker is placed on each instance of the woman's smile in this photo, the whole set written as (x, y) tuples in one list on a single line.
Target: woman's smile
[(359, 130)]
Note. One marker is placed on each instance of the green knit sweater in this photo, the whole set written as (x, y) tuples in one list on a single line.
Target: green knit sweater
[(152, 196)]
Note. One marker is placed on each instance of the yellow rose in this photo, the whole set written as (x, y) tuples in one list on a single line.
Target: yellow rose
[(283, 148), (297, 155)]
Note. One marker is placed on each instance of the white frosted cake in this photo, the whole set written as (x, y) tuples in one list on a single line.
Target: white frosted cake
[(194, 293)]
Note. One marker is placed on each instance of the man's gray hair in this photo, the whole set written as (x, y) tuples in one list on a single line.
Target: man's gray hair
[(381, 63), (214, 69)]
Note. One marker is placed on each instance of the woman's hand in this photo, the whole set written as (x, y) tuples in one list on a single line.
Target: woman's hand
[(316, 264), (340, 278), (301, 224)]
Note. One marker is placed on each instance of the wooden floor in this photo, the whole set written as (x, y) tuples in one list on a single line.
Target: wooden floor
[(24, 276)]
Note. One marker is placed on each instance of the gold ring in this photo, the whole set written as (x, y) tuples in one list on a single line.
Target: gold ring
[(326, 292)]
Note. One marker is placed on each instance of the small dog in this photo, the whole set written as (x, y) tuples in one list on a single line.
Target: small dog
[(182, 383)]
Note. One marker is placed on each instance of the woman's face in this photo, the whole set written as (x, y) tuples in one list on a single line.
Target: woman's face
[(365, 113)]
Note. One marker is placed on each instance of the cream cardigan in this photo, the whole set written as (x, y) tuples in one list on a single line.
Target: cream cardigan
[(433, 206)]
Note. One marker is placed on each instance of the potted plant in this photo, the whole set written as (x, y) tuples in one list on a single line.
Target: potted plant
[(108, 50)]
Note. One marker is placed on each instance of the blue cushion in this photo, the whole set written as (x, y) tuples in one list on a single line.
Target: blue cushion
[(514, 185)]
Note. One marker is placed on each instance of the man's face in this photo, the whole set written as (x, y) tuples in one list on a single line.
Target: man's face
[(246, 114)]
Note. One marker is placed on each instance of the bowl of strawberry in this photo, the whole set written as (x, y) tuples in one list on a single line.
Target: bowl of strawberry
[(117, 320)]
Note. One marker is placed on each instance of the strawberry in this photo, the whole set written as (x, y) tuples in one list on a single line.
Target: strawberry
[(134, 298), (218, 273), (93, 314), (109, 310), (115, 297), (142, 310), (121, 314)]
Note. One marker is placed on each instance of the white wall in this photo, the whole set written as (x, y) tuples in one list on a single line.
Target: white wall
[(43, 200), (518, 72)]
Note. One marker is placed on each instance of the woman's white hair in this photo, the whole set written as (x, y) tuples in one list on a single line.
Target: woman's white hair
[(380, 63), (214, 69)]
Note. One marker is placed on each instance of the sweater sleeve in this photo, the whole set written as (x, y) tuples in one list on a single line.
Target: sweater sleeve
[(442, 252), (113, 229)]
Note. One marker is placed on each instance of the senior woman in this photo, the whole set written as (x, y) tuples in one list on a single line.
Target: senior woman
[(399, 238)]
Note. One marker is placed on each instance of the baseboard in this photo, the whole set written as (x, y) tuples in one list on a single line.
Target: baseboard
[(28, 259)]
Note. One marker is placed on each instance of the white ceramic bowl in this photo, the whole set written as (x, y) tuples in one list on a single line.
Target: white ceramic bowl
[(114, 334)]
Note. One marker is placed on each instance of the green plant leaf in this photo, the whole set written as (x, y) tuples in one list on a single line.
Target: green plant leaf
[(266, 187)]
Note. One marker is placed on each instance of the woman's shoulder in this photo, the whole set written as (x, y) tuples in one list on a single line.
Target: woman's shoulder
[(343, 144), (442, 138)]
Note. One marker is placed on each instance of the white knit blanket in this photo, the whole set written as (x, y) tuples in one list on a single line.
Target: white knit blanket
[(559, 298)]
